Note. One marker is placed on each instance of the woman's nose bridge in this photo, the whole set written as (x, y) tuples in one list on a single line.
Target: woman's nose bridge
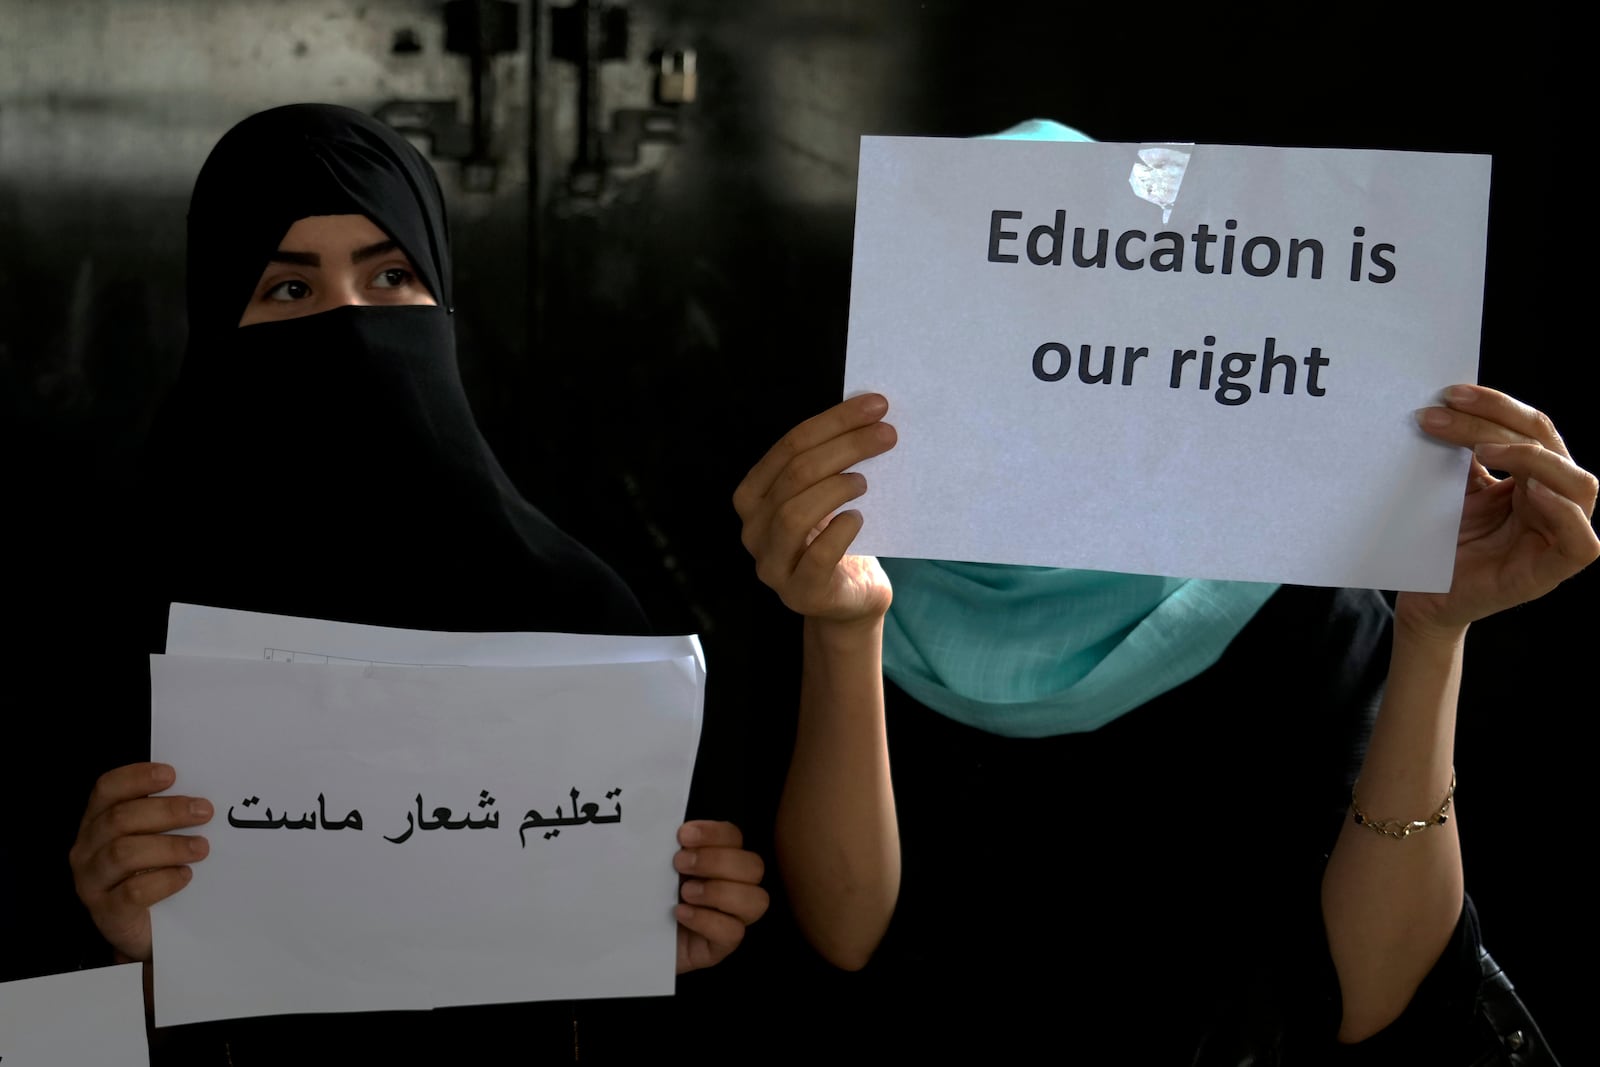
[(345, 290)]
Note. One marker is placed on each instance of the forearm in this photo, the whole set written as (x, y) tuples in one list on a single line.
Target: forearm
[(837, 841), (1389, 906)]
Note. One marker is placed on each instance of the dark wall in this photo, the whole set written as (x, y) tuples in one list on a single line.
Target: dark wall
[(637, 329)]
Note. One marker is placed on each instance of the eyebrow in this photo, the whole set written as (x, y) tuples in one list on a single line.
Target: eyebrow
[(313, 259)]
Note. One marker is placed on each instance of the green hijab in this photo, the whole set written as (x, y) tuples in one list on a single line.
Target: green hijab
[(1038, 651)]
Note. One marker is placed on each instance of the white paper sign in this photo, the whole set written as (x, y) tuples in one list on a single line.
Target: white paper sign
[(402, 837), (91, 1018), (1077, 382), (195, 630)]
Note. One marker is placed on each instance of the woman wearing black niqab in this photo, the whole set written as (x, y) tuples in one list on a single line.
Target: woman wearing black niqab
[(328, 465), (318, 458)]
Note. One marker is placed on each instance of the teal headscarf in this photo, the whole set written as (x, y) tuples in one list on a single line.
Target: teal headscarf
[(1037, 651)]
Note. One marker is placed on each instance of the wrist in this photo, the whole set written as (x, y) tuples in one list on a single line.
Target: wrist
[(845, 635), (1413, 629)]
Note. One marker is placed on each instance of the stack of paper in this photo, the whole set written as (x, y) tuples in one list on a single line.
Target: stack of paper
[(411, 820)]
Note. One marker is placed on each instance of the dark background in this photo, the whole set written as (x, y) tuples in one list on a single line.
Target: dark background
[(649, 295)]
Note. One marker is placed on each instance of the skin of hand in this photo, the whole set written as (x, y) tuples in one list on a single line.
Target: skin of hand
[(1522, 535), (125, 857), (721, 889), (792, 526)]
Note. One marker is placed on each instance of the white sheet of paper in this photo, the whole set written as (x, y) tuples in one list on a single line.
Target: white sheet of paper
[(91, 1018), (995, 464), (281, 920), (196, 630)]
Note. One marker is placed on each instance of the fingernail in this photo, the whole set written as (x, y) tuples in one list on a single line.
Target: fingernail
[(693, 890), (689, 835), (200, 809), (198, 847), (687, 860), (162, 773), (1459, 394), (683, 913), (1433, 418), (188, 873), (874, 405), (1533, 486), (887, 433)]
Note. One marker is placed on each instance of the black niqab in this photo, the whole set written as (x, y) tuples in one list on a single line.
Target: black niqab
[(329, 466)]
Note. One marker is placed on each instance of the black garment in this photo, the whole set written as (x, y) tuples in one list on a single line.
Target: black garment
[(329, 466), (1112, 897)]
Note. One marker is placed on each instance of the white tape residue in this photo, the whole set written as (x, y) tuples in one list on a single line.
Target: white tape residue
[(1157, 175)]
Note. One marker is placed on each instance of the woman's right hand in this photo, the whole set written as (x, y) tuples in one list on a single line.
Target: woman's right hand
[(124, 859), (788, 503)]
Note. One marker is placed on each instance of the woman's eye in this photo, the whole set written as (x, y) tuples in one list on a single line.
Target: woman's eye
[(393, 278), (287, 291)]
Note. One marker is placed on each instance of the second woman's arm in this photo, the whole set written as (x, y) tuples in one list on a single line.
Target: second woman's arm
[(837, 842)]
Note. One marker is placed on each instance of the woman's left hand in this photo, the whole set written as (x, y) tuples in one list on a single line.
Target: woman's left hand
[(1521, 536), (721, 889)]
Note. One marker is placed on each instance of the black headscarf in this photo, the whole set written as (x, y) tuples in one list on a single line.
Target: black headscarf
[(329, 466)]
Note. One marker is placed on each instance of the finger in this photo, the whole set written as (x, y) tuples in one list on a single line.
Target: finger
[(832, 457), (747, 903), (1553, 469), (127, 857), (126, 783), (698, 832), (1497, 408), (1459, 428), (733, 864), (695, 952), (1576, 545), (839, 419), (142, 890), (817, 563), (790, 532), (144, 815), (1479, 478), (722, 931)]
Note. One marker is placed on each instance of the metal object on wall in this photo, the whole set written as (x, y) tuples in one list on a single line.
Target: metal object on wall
[(677, 82), (590, 35)]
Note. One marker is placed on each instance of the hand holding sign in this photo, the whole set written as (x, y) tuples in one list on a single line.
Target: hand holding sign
[(125, 859), (1521, 536), (721, 889), (788, 503)]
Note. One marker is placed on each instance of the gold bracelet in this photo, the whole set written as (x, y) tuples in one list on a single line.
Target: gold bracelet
[(1394, 827)]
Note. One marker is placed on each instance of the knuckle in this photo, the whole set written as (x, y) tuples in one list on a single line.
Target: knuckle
[(119, 821), (139, 893), (121, 852), (792, 517), (807, 471)]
